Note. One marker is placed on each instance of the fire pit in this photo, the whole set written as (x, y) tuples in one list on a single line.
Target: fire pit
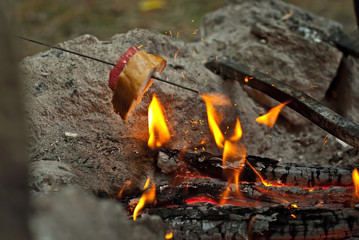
[(213, 168)]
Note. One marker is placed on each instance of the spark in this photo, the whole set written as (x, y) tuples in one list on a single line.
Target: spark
[(184, 78), (176, 54), (325, 140)]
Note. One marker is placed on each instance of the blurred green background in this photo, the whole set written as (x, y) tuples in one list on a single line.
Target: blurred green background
[(55, 21)]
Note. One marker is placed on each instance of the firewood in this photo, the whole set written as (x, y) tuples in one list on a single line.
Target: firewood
[(278, 222), (273, 171)]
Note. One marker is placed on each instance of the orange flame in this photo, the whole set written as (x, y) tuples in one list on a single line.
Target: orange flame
[(158, 130), (232, 150), (270, 118), (237, 132), (125, 186), (355, 176), (212, 115), (225, 194), (147, 197), (265, 183), (146, 183)]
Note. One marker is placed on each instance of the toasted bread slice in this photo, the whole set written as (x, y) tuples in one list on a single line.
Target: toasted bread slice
[(134, 81)]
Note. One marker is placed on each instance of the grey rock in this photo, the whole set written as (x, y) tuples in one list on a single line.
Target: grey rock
[(50, 176), (295, 50), (72, 214), (346, 89)]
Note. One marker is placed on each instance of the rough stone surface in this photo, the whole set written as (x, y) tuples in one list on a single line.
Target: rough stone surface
[(345, 91), (291, 50), (353, 65), (48, 176), (73, 214)]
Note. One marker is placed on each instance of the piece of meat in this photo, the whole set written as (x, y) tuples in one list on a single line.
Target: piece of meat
[(134, 81)]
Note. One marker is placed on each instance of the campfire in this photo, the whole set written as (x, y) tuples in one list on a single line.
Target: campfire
[(239, 145), (238, 195)]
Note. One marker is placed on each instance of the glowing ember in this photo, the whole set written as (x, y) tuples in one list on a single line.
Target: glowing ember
[(213, 117), (355, 176), (169, 235), (270, 118), (158, 130), (147, 197), (194, 200)]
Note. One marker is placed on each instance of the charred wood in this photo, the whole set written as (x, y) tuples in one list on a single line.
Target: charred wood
[(278, 222), (205, 164), (247, 194)]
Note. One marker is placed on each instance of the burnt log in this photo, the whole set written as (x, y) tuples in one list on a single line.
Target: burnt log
[(271, 170), (207, 221), (198, 189)]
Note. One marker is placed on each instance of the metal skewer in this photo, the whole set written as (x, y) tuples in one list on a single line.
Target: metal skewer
[(155, 76)]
